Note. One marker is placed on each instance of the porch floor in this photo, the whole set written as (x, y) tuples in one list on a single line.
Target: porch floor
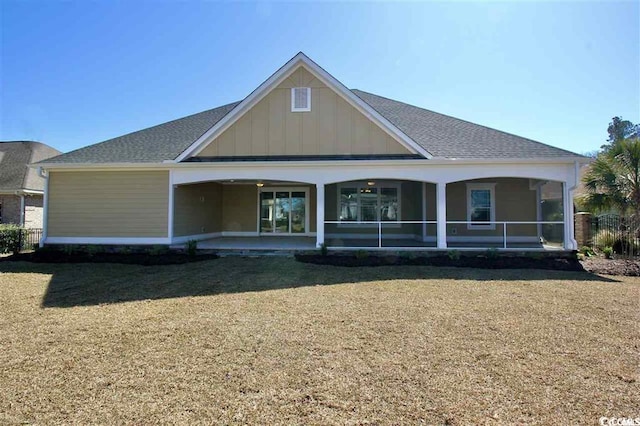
[(290, 243), (259, 243)]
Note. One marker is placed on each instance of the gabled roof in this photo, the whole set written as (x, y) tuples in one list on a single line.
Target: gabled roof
[(424, 132), (298, 61), (14, 159), (449, 137)]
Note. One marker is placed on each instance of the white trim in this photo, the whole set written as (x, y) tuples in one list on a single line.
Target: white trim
[(320, 214), (170, 207), (107, 240), (434, 249), (491, 187), (424, 210), (197, 237), (22, 212), (45, 211), (278, 77), (441, 214), (240, 233), (492, 239), (20, 192), (370, 236), (293, 99), (170, 164)]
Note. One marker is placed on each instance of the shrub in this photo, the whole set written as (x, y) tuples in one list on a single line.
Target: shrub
[(492, 253), (158, 250), (536, 255), (68, 249), (453, 255), (11, 238), (587, 251), (608, 252), (362, 254), (92, 250), (604, 238), (624, 246), (324, 250), (192, 247)]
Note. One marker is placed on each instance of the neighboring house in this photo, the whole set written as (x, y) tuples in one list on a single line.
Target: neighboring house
[(21, 188), (306, 160)]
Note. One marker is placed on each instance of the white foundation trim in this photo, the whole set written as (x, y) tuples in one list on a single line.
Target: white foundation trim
[(197, 237), (492, 239), (240, 234), (373, 236), (107, 240)]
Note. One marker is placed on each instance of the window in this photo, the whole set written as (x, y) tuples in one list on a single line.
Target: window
[(481, 205), (369, 202), (300, 99)]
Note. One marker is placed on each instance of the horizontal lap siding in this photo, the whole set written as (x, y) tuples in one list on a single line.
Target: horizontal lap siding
[(108, 204), (197, 209)]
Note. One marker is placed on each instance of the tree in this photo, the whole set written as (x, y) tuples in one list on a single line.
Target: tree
[(613, 179), (620, 130)]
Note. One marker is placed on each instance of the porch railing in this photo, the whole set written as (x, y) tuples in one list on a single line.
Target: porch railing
[(546, 232)]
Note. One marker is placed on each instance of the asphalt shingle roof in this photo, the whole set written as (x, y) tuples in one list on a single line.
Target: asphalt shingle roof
[(440, 135), (153, 145), (449, 137), (14, 158)]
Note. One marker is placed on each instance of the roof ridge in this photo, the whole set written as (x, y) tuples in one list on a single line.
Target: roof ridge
[(465, 121)]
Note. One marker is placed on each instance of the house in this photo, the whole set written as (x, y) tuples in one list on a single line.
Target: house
[(304, 161), (21, 188)]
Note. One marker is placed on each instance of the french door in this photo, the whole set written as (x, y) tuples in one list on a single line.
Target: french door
[(283, 211)]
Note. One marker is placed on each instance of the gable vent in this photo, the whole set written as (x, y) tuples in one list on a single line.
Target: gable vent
[(300, 99)]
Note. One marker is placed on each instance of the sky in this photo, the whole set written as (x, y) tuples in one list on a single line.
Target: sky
[(77, 73)]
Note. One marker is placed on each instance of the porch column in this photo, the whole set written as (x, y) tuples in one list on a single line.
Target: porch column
[(170, 212), (569, 234), (441, 203), (319, 214)]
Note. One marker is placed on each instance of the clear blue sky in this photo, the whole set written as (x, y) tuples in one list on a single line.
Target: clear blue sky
[(76, 73)]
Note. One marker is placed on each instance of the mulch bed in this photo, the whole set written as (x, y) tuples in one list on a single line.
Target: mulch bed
[(483, 262), (599, 265), (145, 259)]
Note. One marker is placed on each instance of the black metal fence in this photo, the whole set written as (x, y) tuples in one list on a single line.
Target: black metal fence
[(31, 238), (621, 234)]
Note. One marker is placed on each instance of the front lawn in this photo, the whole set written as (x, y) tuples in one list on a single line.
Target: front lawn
[(275, 341)]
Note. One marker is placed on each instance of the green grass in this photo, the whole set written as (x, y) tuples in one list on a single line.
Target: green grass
[(273, 341)]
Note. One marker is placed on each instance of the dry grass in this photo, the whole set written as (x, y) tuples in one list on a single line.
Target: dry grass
[(272, 341)]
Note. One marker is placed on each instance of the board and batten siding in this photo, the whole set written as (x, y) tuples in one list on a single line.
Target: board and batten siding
[(332, 127), (108, 204)]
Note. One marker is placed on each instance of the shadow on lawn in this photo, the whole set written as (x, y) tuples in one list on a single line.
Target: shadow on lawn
[(94, 284)]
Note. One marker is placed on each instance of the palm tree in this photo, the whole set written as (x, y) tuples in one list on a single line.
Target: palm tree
[(613, 180)]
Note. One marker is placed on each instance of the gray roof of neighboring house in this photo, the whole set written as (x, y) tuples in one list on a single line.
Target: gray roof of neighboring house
[(441, 135), (14, 159)]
